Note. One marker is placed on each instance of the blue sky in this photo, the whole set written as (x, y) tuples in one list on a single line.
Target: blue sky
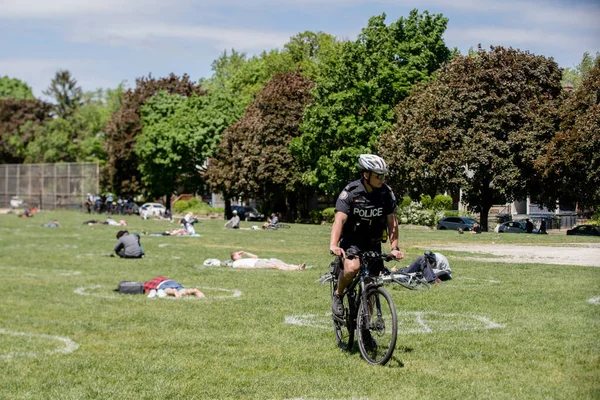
[(105, 42)]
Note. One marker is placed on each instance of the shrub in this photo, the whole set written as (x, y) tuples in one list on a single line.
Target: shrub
[(195, 203), (406, 201), (416, 214), (442, 202), (328, 214), (427, 202), (202, 208), (314, 216), (181, 206)]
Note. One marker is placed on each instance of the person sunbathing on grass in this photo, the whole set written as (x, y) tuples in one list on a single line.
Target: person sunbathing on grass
[(245, 260), (162, 287)]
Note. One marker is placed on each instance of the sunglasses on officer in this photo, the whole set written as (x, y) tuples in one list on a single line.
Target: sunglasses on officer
[(381, 177)]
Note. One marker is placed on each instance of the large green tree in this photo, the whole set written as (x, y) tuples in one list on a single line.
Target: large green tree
[(253, 159), (14, 134), (12, 88), (357, 90), (53, 142), (571, 163), (309, 50), (78, 138), (179, 134), (121, 173), (65, 92), (479, 126)]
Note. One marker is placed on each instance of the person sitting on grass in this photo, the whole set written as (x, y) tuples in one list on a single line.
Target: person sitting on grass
[(245, 260), (271, 223), (128, 246), (162, 287), (234, 222), (27, 213), (434, 267)]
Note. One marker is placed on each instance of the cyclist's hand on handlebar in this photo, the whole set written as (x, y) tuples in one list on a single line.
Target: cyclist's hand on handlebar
[(337, 251), (397, 254)]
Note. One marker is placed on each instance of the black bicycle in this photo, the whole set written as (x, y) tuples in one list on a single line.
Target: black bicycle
[(369, 311)]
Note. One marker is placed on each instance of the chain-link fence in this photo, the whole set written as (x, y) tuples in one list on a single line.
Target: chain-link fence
[(48, 186)]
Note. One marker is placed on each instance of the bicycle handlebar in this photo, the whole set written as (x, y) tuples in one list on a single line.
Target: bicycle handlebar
[(370, 255)]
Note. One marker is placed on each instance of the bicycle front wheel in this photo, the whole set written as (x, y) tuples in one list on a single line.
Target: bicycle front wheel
[(377, 326)]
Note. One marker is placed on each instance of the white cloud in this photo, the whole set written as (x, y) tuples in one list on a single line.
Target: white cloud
[(39, 72), (517, 37), (218, 38), (44, 9)]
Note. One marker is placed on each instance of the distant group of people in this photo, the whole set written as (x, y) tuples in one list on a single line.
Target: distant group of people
[(234, 222), (529, 227), (111, 205)]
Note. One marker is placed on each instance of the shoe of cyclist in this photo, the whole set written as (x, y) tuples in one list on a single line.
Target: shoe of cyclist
[(337, 307), (369, 341)]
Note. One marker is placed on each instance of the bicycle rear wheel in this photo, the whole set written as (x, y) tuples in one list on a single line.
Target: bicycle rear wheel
[(378, 340)]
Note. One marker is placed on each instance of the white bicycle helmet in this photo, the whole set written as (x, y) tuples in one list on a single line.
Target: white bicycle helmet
[(372, 163)]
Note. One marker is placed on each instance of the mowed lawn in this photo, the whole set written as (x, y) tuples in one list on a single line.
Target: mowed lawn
[(497, 331)]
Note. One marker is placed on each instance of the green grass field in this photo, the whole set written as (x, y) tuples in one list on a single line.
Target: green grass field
[(497, 331)]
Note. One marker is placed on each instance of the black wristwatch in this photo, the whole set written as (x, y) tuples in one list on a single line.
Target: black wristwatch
[(396, 248)]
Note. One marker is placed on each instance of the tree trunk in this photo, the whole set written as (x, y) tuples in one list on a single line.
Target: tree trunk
[(228, 213), (486, 205)]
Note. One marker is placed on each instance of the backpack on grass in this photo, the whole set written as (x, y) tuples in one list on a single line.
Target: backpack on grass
[(130, 287)]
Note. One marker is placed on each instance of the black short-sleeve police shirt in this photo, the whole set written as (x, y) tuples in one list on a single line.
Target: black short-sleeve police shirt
[(367, 213)]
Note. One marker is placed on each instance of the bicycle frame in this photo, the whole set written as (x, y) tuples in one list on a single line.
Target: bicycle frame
[(361, 280)]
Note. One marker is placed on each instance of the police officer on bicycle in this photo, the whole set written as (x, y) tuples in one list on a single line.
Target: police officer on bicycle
[(365, 212)]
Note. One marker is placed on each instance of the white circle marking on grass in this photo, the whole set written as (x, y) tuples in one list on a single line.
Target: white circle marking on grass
[(45, 273), (85, 291), (594, 300), (69, 345), (411, 322)]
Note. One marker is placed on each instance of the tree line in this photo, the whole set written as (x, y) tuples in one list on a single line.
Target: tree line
[(289, 124)]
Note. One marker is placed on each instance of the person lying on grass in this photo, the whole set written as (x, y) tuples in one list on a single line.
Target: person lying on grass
[(162, 287), (245, 260), (434, 267), (52, 224)]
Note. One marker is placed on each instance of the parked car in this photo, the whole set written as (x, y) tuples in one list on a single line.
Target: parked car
[(247, 213), (464, 223), (152, 209), (512, 227), (585, 230)]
